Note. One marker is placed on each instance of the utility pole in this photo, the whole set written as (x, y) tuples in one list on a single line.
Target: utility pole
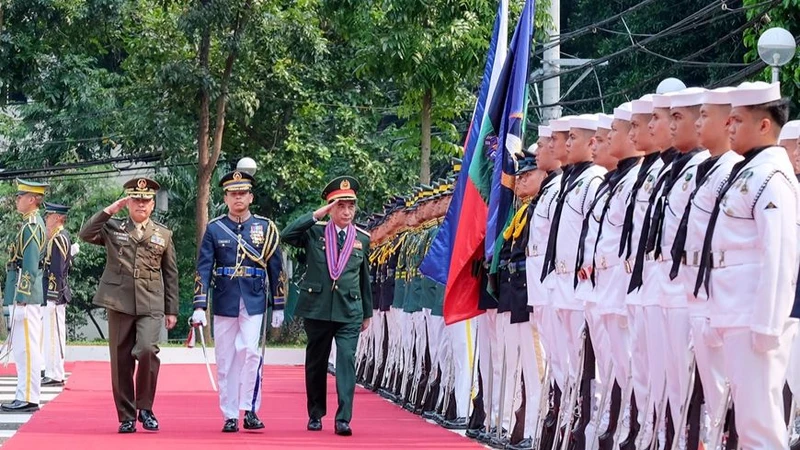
[(551, 88)]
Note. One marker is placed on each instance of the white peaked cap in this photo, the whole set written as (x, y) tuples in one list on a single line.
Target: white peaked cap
[(790, 131), (560, 124), (643, 105), (692, 96), (604, 121), (584, 121), (623, 112), (755, 93), (718, 96)]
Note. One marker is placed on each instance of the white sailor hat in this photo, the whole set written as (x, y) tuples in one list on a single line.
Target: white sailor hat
[(604, 121), (584, 122), (692, 96), (643, 105), (718, 96), (661, 101), (790, 131), (560, 124), (545, 131), (623, 112), (755, 93)]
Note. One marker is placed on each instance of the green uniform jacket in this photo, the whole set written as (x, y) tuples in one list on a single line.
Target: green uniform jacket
[(24, 277), (141, 275), (350, 300)]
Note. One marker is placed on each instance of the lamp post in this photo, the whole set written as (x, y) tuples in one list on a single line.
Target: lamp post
[(247, 165), (776, 47)]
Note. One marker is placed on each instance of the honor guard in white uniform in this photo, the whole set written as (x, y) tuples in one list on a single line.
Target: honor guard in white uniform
[(710, 174), (748, 265), (643, 375)]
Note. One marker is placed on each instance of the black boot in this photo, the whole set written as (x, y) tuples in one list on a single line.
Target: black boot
[(251, 421), (606, 440)]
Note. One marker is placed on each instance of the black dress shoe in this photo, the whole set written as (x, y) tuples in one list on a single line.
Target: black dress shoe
[(473, 433), (19, 406), (525, 444), (343, 428), (314, 425), (127, 426), (459, 423), (252, 422), (148, 419), (231, 426), (51, 382)]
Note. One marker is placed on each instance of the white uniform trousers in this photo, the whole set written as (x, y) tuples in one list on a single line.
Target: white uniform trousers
[(640, 361), (757, 381), (490, 360), (378, 323), (462, 345), (555, 346), (602, 350), (572, 323), (236, 351), (619, 347), (435, 329), (392, 358), (407, 342), (793, 371), (676, 321), (532, 361), (656, 330), (508, 338), (419, 348), (54, 344), (26, 334), (710, 366)]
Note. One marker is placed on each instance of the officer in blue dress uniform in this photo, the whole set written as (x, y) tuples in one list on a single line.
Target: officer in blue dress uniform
[(241, 257)]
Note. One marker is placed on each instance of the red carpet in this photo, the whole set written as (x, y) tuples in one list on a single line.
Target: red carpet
[(83, 417)]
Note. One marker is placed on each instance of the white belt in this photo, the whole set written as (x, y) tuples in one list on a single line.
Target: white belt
[(724, 258), (604, 263), (650, 256)]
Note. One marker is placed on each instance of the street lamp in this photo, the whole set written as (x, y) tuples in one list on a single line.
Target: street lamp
[(670, 85), (247, 165), (776, 47)]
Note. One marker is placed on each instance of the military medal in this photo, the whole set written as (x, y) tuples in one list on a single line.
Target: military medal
[(257, 233), (338, 260)]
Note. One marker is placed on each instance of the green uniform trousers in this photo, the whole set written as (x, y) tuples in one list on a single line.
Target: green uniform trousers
[(320, 334)]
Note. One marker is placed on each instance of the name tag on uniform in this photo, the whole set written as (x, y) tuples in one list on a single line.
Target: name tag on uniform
[(158, 240), (223, 241), (122, 237)]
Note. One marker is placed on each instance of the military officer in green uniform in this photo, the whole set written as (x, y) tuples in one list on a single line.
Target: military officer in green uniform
[(24, 295), (139, 289), (335, 297)]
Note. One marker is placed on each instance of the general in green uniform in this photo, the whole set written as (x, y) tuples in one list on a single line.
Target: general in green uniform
[(335, 297), (139, 289)]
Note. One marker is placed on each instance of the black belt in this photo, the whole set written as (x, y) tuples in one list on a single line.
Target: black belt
[(243, 271), (512, 266)]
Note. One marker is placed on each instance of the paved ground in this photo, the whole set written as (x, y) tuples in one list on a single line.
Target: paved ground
[(10, 422)]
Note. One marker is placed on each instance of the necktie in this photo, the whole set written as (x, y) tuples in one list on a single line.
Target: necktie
[(704, 271), (340, 240), (139, 232), (704, 170), (601, 191), (654, 239), (627, 225)]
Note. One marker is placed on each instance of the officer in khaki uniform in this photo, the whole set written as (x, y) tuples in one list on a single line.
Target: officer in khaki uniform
[(335, 297), (139, 289)]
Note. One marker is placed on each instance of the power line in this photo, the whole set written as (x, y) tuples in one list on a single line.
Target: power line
[(83, 164)]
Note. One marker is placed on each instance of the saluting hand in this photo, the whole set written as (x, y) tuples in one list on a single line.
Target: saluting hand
[(322, 212), (117, 206)]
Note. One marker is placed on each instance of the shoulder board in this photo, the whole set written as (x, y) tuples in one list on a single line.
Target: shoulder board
[(216, 218), (261, 217), (159, 224), (365, 232)]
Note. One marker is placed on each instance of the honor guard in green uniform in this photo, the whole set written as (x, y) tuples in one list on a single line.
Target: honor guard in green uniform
[(335, 297), (57, 263), (139, 289), (24, 295)]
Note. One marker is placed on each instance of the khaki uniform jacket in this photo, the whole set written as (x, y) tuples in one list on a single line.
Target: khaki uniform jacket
[(141, 275)]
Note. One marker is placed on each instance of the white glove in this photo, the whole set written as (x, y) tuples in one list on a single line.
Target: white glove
[(277, 318), (763, 343), (199, 317), (622, 321), (74, 249), (711, 336)]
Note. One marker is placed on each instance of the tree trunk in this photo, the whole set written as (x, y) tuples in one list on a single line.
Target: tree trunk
[(425, 157)]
